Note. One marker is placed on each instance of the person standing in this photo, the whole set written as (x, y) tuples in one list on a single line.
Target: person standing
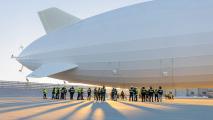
[(99, 94), (103, 93), (131, 94), (62, 93), (160, 93), (115, 94), (95, 94), (135, 92), (143, 94), (151, 93), (156, 95), (53, 93), (122, 95), (44, 93), (112, 94), (71, 91), (79, 94), (147, 95), (89, 94), (82, 94), (57, 92), (65, 93)]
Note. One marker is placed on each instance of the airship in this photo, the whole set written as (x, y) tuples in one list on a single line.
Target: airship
[(165, 43)]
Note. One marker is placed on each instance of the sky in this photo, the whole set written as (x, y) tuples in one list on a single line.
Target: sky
[(20, 26)]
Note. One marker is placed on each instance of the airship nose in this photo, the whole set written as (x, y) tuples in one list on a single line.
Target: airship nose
[(27, 61), (21, 59)]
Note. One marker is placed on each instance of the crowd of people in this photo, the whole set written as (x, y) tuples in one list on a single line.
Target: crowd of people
[(146, 95), (59, 93), (99, 94), (114, 94)]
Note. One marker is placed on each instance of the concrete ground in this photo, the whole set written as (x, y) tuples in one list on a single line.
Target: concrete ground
[(27, 108)]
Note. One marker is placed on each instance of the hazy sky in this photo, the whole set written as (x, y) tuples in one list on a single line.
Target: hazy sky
[(20, 25)]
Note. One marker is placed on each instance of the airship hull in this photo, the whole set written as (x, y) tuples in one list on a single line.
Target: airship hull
[(174, 66), (161, 42)]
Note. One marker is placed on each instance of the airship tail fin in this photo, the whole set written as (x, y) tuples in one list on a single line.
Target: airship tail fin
[(54, 18), (51, 69)]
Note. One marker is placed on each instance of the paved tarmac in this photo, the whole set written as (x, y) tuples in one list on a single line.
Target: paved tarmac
[(33, 108)]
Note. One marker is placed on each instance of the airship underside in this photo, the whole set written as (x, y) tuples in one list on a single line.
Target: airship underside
[(161, 42)]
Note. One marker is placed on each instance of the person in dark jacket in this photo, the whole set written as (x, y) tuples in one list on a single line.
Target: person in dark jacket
[(99, 94), (151, 93), (72, 92), (89, 94), (65, 93), (122, 95), (115, 94), (95, 94), (131, 94), (53, 93), (62, 92), (160, 93), (156, 95), (81, 94), (103, 93), (143, 94), (57, 92), (135, 94), (147, 95)]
